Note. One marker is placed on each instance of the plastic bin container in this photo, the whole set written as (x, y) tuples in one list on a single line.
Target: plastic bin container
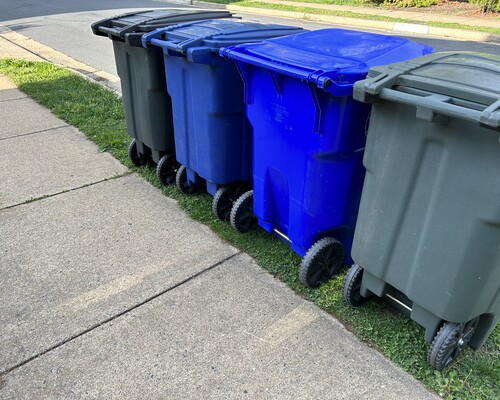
[(309, 137), (428, 231), (212, 134), (147, 105)]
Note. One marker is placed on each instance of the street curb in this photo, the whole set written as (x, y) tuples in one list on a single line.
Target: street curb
[(396, 27), (366, 23)]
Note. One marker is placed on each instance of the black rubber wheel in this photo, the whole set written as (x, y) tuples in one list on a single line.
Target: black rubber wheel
[(182, 182), (223, 202), (352, 287), (166, 169), (134, 156), (450, 342), (242, 217), (321, 262)]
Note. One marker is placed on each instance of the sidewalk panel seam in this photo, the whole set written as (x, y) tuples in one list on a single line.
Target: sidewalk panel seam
[(35, 132), (114, 317), (43, 197)]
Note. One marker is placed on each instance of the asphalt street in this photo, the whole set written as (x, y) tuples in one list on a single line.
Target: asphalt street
[(65, 26)]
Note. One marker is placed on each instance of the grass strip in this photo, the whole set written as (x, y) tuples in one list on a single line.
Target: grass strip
[(350, 14), (98, 113), (364, 3)]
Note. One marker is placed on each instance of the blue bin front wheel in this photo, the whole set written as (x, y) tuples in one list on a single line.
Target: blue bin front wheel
[(450, 342), (224, 199), (242, 217), (321, 262)]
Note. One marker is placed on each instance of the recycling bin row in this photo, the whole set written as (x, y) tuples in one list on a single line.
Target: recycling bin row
[(272, 124), (263, 118)]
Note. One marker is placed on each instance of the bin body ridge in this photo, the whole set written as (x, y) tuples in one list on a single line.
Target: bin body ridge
[(213, 136), (307, 172), (146, 103)]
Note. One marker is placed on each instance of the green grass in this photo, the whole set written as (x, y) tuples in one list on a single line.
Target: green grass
[(98, 113), (349, 14), (365, 3)]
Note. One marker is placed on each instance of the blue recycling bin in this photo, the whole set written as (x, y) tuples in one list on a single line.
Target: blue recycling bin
[(213, 140), (309, 137)]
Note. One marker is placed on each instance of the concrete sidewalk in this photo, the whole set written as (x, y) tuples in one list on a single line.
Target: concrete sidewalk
[(110, 291)]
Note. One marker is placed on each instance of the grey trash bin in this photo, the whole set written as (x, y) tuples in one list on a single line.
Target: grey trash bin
[(147, 105), (428, 230)]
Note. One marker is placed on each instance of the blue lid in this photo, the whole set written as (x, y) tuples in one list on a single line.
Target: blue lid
[(333, 59), (213, 34)]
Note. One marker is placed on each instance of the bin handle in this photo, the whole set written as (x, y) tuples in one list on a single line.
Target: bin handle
[(434, 103), (156, 42), (491, 115), (107, 30), (381, 77), (117, 32), (181, 47), (100, 27), (321, 81), (154, 38)]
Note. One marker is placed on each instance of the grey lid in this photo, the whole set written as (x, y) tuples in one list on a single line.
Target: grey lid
[(148, 20), (456, 84)]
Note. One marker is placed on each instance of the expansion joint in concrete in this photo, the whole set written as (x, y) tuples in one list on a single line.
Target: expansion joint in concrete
[(114, 317)]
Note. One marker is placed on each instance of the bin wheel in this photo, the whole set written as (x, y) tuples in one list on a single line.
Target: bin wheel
[(450, 342), (223, 201), (166, 169), (134, 155), (242, 217), (182, 182), (321, 262), (352, 287)]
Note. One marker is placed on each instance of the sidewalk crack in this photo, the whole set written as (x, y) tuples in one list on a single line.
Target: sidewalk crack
[(35, 132), (15, 99), (47, 196), (114, 317)]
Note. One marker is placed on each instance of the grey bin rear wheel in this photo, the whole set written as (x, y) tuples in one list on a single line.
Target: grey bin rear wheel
[(182, 182), (134, 155), (242, 217), (352, 287), (450, 342), (166, 169), (321, 262)]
